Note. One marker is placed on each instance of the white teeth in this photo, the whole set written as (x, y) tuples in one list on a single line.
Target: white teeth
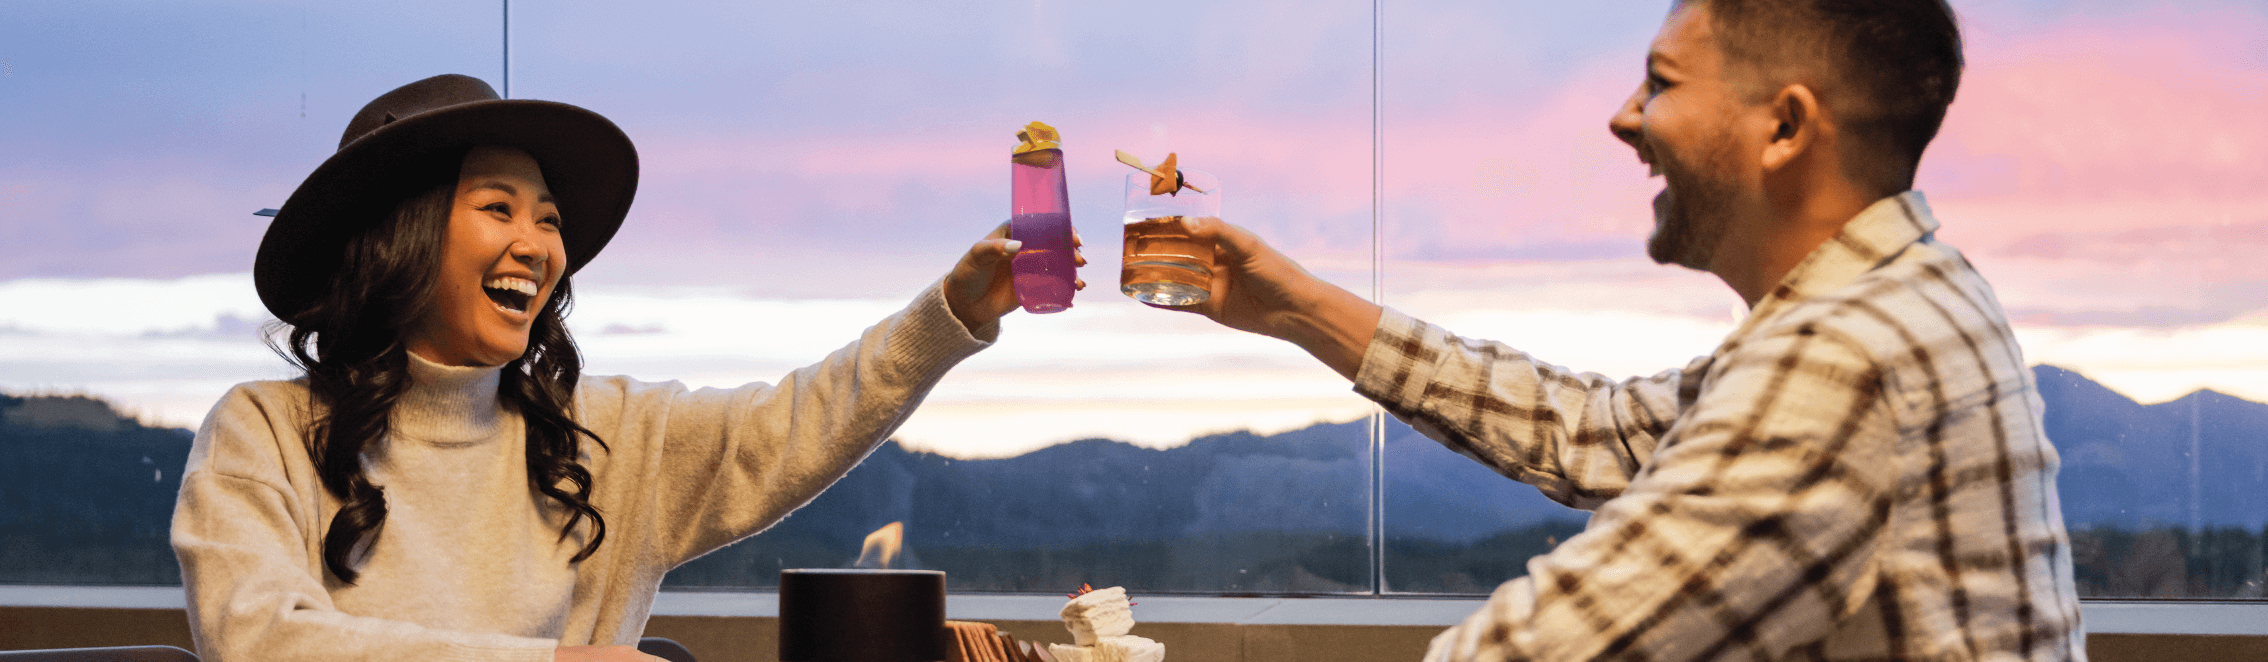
[(512, 284)]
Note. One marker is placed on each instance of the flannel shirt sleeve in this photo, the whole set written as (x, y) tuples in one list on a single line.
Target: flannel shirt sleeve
[(1577, 437), (1751, 533)]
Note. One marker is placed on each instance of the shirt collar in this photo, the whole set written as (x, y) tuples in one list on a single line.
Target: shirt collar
[(1879, 232)]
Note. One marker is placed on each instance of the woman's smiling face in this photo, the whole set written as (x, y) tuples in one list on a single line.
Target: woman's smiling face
[(500, 259)]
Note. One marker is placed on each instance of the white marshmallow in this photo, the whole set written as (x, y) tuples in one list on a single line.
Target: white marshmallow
[(1063, 653), (1127, 648), (1100, 613)]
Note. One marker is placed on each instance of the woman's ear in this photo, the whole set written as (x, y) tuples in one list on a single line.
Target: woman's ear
[(1796, 111)]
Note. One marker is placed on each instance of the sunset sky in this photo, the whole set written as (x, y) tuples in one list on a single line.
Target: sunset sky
[(807, 167)]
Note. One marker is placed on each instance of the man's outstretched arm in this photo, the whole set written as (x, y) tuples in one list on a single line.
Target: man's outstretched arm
[(1756, 528), (1257, 289), (1576, 436)]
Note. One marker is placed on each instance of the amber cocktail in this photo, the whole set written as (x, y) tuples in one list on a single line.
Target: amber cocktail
[(1162, 264)]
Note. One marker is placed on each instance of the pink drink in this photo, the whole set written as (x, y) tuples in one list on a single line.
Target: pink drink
[(1042, 220)]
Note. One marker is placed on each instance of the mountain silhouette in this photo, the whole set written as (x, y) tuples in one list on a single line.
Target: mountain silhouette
[(86, 496), (2131, 465)]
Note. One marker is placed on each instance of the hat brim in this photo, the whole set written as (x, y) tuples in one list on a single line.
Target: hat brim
[(588, 163)]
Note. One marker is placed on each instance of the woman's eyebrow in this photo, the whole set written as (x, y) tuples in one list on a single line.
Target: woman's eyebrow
[(508, 189)]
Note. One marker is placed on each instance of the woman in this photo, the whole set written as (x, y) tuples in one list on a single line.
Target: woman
[(443, 483)]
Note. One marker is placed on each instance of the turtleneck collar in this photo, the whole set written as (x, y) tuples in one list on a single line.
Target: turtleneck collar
[(449, 405)]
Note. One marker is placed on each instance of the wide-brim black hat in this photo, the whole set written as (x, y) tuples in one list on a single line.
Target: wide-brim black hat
[(418, 134)]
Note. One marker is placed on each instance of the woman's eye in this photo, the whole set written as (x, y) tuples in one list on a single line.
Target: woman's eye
[(500, 208), (1655, 85), (552, 220)]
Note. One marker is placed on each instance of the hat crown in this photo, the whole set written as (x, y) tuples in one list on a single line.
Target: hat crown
[(416, 98), (410, 137)]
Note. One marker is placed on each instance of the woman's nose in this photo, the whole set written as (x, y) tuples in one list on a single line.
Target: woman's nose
[(529, 252)]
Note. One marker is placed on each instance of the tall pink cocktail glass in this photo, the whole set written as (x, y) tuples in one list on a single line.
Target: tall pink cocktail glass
[(1041, 218)]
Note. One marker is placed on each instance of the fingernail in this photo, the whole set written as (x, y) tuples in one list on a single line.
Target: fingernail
[(1014, 245)]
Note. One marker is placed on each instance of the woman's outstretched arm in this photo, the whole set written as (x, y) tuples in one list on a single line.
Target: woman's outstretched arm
[(711, 466)]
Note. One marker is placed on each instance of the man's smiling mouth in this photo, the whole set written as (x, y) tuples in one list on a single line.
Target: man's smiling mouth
[(510, 293)]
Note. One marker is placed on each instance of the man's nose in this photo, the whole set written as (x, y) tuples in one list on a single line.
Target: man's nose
[(1627, 120)]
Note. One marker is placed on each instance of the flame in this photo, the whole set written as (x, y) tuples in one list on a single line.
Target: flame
[(881, 546)]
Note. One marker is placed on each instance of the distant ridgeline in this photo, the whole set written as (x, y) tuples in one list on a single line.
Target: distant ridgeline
[(85, 495)]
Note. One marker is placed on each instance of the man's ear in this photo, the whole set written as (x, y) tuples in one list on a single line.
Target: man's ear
[(1795, 110)]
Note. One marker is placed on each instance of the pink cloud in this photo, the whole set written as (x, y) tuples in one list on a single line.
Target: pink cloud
[(2162, 101), (2221, 251), (2131, 132), (2154, 114), (1491, 173), (2104, 155), (152, 217), (2111, 170), (2146, 120), (1282, 174), (2098, 169)]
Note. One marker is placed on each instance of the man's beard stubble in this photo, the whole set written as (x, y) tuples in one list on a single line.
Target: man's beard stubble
[(1693, 211)]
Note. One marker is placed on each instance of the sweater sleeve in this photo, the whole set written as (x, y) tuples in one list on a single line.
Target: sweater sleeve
[(245, 528), (1577, 437), (719, 465)]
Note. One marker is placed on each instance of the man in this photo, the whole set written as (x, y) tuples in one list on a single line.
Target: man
[(1857, 473)]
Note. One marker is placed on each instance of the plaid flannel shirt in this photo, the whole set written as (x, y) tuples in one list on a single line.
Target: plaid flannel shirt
[(1858, 473)]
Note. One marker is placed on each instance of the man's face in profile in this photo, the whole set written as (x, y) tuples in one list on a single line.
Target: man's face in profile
[(1681, 121)]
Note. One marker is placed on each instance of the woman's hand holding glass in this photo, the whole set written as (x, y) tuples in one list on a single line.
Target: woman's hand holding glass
[(981, 288)]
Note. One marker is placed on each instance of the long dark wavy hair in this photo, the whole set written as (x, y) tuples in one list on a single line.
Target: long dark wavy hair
[(351, 343)]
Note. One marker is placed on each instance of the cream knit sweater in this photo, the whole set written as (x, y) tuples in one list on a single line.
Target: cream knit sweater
[(469, 564)]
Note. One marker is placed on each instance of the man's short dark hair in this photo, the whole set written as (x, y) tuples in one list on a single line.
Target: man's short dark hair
[(1892, 67)]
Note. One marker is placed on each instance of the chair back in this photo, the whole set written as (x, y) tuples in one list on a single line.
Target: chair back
[(665, 649)]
